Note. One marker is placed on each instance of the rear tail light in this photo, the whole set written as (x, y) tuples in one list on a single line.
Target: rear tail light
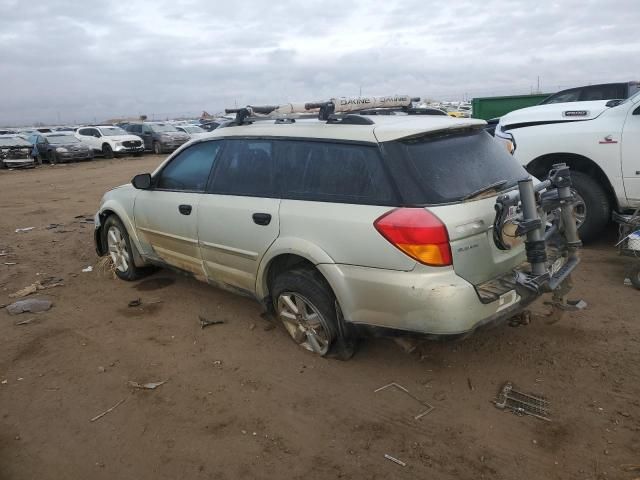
[(418, 233)]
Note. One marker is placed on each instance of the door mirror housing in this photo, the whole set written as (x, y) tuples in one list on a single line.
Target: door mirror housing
[(142, 181)]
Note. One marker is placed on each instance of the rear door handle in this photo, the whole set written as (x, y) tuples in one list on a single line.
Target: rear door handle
[(262, 218), (185, 209)]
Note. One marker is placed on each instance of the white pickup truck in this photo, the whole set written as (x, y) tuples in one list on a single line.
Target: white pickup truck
[(599, 140)]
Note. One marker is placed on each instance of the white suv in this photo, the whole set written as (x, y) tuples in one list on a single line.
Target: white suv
[(348, 223), (110, 140)]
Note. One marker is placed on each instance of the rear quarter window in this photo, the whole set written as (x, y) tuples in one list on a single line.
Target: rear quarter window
[(332, 172), (446, 168)]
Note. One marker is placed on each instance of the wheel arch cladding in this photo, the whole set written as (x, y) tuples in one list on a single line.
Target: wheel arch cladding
[(284, 262), (99, 236), (540, 166)]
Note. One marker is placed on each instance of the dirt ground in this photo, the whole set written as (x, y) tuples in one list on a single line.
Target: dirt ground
[(242, 401)]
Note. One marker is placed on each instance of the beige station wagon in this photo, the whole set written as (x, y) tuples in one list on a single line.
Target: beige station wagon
[(357, 223)]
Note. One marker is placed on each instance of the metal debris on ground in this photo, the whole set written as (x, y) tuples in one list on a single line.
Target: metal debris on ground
[(33, 305), (10, 263), (25, 322), (522, 403), (108, 410), (26, 229), (400, 387), (88, 269), (44, 284), (205, 323), (395, 460), (629, 467), (146, 386), (139, 303)]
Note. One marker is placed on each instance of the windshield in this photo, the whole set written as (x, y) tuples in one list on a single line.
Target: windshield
[(194, 129), (162, 127), (13, 142), (112, 131), (452, 167), (62, 139)]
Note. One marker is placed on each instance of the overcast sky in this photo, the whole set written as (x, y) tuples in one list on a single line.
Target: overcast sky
[(78, 60)]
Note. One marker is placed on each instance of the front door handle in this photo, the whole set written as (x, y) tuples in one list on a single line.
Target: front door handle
[(262, 218), (185, 209)]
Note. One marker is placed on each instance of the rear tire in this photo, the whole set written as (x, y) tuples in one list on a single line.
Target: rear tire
[(107, 151), (157, 148), (116, 238), (306, 307), (634, 275), (597, 205), (52, 157)]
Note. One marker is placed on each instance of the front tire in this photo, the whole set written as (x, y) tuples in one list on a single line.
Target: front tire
[(157, 148), (118, 243), (306, 307), (52, 157), (107, 151), (634, 275), (594, 209)]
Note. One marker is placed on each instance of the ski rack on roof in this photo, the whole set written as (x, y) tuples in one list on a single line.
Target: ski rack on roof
[(333, 110)]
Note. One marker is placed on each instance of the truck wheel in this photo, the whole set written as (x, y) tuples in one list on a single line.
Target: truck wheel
[(157, 148), (593, 210), (634, 275), (107, 151)]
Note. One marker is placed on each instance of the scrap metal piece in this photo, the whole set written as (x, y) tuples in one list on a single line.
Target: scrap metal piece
[(522, 403), (400, 387), (146, 386), (205, 323), (395, 460)]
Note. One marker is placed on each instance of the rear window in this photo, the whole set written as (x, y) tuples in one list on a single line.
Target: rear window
[(604, 92), (452, 167)]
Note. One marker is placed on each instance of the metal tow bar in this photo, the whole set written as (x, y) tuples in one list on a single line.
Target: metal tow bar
[(544, 216)]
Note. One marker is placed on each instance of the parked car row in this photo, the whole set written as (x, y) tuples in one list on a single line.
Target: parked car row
[(63, 144)]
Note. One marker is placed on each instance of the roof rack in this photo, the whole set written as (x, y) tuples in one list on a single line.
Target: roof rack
[(334, 110)]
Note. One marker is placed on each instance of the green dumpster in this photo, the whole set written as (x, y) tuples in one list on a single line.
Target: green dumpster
[(492, 107)]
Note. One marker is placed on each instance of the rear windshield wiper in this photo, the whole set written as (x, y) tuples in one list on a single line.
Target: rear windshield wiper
[(493, 186)]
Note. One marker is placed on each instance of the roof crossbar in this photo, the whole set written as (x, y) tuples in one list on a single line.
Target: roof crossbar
[(334, 108)]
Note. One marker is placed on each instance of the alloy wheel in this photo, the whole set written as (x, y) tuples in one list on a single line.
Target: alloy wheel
[(579, 208), (304, 322), (118, 249)]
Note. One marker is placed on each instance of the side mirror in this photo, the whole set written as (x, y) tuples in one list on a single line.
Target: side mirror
[(142, 181)]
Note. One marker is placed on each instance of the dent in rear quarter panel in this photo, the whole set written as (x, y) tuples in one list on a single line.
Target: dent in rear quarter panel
[(344, 231)]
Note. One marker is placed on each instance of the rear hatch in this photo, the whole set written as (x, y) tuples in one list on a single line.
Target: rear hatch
[(457, 176)]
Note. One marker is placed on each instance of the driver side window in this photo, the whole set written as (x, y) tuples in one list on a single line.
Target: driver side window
[(189, 171)]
